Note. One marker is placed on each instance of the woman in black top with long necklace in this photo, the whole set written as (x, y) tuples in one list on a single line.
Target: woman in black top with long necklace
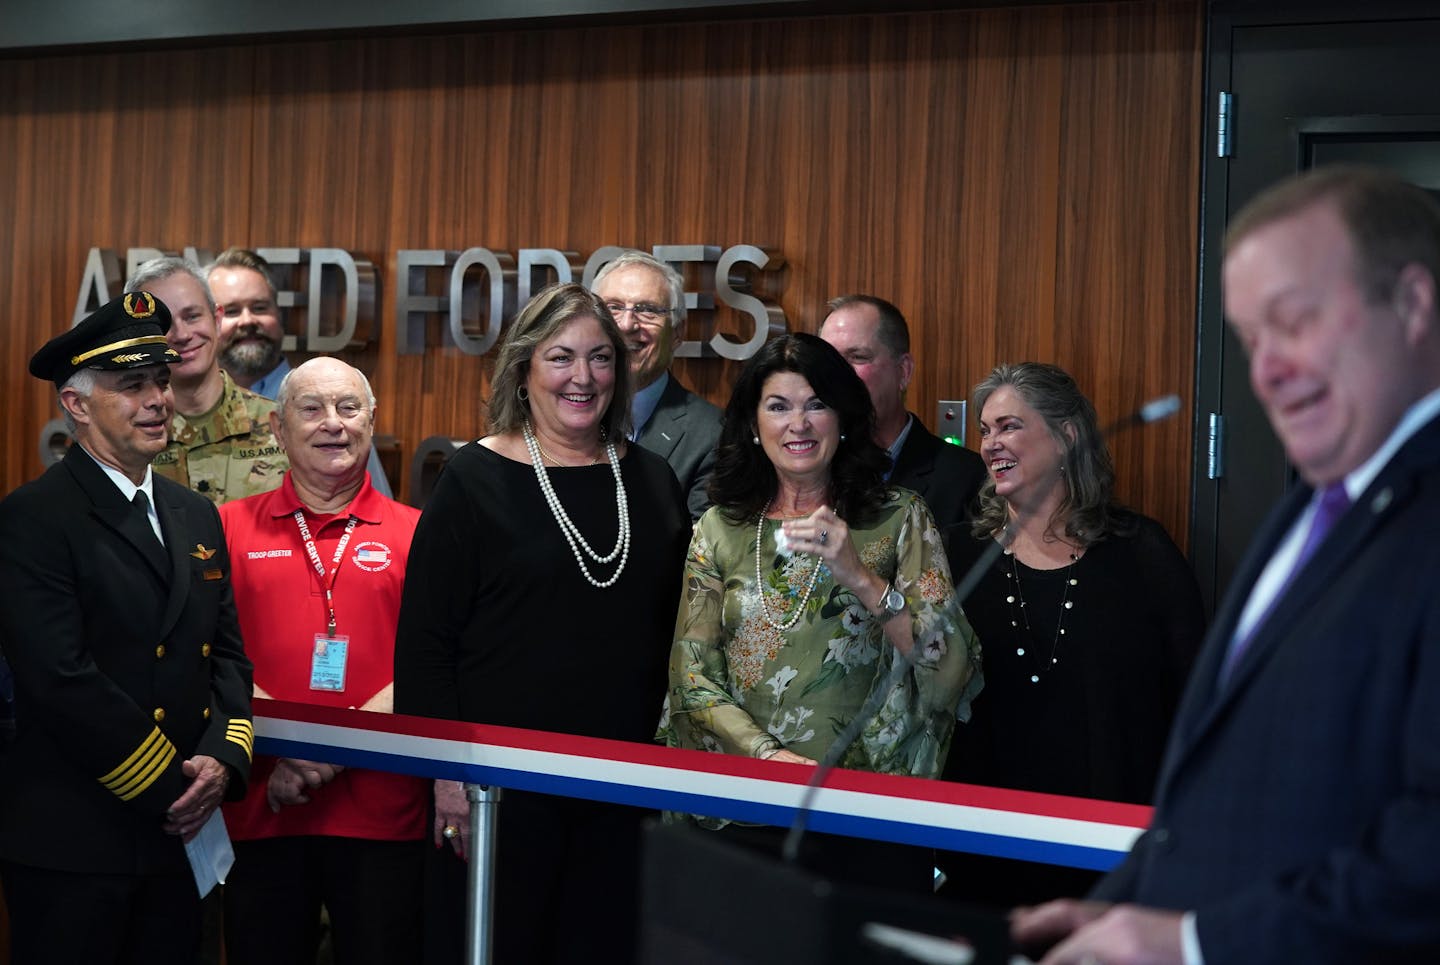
[(1089, 622), (541, 593)]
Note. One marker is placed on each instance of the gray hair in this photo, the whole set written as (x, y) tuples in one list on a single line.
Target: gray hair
[(158, 269), (82, 383), (1088, 513), (282, 395), (639, 259)]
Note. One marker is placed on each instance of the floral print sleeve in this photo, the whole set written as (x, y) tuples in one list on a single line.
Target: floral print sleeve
[(703, 714), (911, 732), (739, 684)]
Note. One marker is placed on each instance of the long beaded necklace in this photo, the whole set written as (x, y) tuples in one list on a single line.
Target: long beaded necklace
[(572, 532), (1017, 596), (760, 583)]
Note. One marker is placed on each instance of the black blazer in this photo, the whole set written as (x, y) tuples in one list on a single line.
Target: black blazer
[(947, 477), (685, 429), (1298, 807), (127, 660)]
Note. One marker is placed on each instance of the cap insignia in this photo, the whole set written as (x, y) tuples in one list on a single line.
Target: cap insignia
[(139, 305)]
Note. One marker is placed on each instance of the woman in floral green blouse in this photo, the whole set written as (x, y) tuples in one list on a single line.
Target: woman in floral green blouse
[(808, 578)]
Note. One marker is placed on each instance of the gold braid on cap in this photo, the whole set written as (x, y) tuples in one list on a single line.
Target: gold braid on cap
[(127, 343)]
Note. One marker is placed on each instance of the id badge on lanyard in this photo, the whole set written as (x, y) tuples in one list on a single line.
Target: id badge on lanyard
[(327, 662), (329, 651)]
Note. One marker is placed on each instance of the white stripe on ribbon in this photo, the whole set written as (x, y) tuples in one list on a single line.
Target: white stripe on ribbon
[(916, 820)]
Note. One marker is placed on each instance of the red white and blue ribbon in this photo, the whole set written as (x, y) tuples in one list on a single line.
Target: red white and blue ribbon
[(954, 817)]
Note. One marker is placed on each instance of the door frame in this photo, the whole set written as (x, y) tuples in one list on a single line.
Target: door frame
[(1224, 19)]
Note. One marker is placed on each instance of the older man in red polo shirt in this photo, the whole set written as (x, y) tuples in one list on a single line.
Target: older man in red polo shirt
[(318, 568)]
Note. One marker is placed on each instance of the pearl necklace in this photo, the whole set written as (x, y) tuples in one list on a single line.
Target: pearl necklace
[(568, 527), (760, 583), (1065, 604)]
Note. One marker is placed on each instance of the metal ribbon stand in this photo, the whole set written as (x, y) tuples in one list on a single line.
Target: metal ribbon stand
[(480, 873)]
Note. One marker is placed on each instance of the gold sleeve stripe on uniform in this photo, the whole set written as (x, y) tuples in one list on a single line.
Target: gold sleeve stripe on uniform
[(247, 746), (155, 771), (145, 771), (242, 732), (141, 769), (127, 768)]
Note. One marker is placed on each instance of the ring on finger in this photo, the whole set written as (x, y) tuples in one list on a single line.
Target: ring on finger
[(824, 537), (451, 832)]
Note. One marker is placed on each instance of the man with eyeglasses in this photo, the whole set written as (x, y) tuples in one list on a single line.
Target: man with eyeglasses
[(319, 566), (647, 299)]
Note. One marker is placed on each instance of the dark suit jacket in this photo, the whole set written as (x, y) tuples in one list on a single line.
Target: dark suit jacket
[(1298, 806), (685, 429), (127, 661), (947, 477)]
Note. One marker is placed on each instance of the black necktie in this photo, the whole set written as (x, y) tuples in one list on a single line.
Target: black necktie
[(142, 510), (142, 534)]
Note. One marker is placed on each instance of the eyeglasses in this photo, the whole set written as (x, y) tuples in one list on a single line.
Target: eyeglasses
[(644, 312)]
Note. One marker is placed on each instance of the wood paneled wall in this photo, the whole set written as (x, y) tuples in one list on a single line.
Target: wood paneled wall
[(1022, 182)]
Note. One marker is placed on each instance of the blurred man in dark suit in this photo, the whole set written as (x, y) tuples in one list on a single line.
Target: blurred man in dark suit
[(1297, 814), (132, 687)]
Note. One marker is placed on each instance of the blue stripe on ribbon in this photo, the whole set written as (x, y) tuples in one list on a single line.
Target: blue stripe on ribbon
[(735, 809)]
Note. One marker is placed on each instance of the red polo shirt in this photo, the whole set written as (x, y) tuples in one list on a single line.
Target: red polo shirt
[(282, 607)]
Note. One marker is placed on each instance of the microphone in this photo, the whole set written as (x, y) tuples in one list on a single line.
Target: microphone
[(1155, 410), (1161, 408)]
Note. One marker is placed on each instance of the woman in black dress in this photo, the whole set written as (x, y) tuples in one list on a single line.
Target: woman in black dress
[(541, 593), (1089, 621)]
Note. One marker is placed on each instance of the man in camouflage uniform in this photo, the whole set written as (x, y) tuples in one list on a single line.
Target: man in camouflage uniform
[(221, 444)]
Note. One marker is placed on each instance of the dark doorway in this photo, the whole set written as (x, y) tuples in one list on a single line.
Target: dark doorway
[(1307, 84)]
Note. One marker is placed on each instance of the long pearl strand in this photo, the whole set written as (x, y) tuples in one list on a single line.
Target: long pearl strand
[(568, 527), (760, 583)]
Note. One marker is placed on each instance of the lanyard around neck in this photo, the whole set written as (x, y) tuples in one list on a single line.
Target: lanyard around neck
[(327, 580)]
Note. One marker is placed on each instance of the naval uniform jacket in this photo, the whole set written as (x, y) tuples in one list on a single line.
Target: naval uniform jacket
[(1298, 806), (127, 659)]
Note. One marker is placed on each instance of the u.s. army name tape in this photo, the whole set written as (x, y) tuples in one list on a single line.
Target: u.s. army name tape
[(1076, 832)]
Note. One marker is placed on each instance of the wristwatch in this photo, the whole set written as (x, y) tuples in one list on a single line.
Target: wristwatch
[(892, 601)]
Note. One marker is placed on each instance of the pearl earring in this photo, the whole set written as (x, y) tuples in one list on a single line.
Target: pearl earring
[(755, 440), (842, 437)]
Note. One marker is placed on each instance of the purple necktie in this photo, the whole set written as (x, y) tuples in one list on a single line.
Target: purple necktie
[(1334, 500)]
